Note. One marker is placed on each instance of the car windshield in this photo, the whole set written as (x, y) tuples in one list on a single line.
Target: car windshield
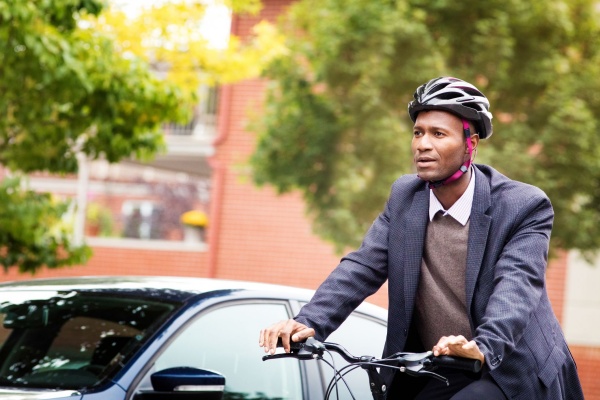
[(71, 339)]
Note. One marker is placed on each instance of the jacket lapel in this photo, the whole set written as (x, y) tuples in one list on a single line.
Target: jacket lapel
[(479, 227), (416, 225)]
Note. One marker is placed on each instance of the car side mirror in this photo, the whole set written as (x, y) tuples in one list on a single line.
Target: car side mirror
[(184, 383)]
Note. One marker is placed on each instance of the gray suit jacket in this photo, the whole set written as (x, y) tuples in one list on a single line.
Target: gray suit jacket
[(511, 317)]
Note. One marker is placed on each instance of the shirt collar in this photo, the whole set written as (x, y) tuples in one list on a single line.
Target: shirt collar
[(461, 210)]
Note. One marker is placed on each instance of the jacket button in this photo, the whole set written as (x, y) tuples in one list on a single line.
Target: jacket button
[(406, 332)]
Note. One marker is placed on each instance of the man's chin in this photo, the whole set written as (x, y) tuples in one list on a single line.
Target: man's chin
[(428, 177)]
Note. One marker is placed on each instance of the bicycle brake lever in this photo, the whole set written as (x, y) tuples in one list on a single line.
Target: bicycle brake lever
[(416, 357), (299, 356), (415, 362), (423, 372)]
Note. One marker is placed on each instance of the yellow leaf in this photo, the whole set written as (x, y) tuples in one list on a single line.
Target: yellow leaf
[(168, 35)]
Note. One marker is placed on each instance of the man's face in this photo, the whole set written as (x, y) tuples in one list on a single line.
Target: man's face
[(438, 145)]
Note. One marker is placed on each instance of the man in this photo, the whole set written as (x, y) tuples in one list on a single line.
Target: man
[(464, 250)]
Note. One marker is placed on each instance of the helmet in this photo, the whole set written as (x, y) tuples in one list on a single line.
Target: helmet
[(457, 97)]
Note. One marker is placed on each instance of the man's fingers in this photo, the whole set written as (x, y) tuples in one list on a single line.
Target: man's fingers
[(446, 344), (260, 338), (469, 345), (268, 337), (285, 341), (263, 339), (303, 334), (456, 340), (440, 351), (457, 346), (441, 346), (284, 330)]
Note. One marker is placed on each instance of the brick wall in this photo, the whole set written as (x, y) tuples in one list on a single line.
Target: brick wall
[(555, 282), (588, 362), (587, 358), (109, 259), (258, 235)]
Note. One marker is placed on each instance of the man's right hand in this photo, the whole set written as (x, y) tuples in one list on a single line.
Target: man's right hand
[(286, 330)]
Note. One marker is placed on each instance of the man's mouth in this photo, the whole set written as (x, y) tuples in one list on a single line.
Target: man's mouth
[(424, 160)]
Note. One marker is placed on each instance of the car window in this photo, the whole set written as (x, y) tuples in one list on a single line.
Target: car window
[(225, 340), (85, 343), (361, 336), (71, 340)]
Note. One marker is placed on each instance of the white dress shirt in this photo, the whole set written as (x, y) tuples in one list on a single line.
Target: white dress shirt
[(461, 210)]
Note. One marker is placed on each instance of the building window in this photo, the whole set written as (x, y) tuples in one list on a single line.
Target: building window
[(142, 220)]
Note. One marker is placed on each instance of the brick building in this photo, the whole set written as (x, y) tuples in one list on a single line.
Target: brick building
[(256, 235)]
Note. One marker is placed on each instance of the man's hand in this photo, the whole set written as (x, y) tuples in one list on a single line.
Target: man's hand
[(458, 346), (285, 330)]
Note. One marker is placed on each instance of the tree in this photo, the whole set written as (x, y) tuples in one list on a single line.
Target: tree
[(335, 124), (65, 90), (167, 35), (76, 79)]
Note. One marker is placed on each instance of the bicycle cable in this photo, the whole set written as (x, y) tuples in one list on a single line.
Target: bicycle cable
[(335, 374), (334, 381)]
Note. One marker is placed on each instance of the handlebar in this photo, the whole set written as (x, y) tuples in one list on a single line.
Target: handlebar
[(312, 348), (464, 364), (416, 364)]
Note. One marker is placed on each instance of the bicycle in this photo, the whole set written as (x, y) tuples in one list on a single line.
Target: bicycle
[(415, 364)]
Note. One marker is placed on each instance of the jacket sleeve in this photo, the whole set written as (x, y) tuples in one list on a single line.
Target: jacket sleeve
[(359, 275), (512, 290)]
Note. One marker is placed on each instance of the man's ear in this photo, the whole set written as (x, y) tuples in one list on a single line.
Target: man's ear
[(474, 142)]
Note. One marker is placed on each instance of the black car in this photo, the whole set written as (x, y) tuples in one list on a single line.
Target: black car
[(137, 338)]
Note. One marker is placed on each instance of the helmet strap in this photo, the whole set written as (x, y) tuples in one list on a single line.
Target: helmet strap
[(463, 168)]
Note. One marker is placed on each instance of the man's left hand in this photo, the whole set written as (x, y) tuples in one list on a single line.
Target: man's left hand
[(458, 346)]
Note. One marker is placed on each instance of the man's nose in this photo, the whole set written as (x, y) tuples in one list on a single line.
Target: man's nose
[(423, 142)]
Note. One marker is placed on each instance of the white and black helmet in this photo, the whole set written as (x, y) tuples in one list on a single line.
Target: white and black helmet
[(457, 97)]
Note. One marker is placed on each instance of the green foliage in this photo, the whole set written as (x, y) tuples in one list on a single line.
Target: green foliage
[(65, 89), (335, 125), (39, 235), (100, 220)]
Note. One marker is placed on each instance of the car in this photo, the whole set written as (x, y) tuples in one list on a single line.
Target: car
[(140, 338)]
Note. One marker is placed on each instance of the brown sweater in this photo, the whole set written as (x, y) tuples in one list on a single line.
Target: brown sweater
[(440, 303)]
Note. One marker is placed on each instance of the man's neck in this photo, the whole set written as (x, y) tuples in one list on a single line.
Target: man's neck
[(449, 194)]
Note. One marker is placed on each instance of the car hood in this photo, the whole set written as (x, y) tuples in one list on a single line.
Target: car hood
[(14, 394)]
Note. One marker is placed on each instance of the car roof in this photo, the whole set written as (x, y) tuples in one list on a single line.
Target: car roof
[(187, 285)]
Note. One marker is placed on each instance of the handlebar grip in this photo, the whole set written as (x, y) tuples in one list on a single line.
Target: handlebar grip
[(465, 364), (294, 346)]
